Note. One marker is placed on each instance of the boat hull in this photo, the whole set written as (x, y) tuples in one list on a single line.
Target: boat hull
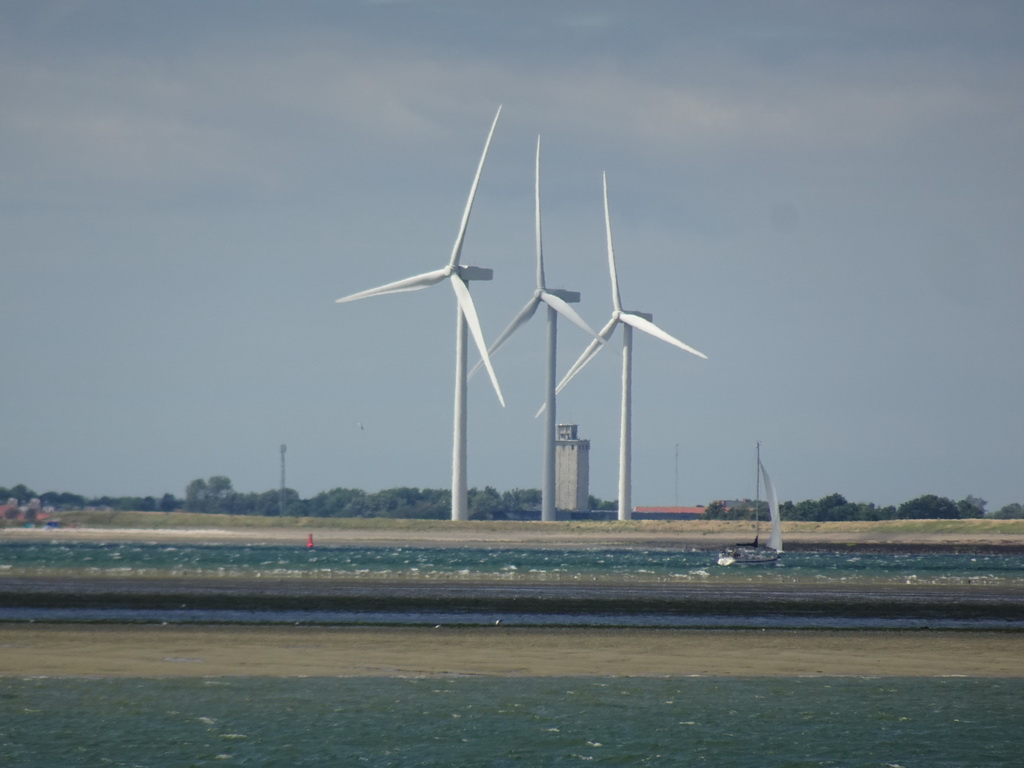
[(748, 556)]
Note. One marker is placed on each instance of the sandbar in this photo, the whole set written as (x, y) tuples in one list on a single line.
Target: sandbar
[(62, 650), (700, 535)]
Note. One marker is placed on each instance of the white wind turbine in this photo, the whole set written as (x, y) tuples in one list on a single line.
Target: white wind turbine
[(466, 316), (629, 320), (557, 301)]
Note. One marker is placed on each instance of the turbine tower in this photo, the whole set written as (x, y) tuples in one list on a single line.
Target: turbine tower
[(628, 320), (557, 301), (466, 319)]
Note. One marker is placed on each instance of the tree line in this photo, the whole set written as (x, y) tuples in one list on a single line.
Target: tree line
[(835, 507), (216, 495), (22, 494)]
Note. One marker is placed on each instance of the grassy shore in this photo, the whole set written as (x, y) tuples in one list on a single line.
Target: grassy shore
[(195, 651)]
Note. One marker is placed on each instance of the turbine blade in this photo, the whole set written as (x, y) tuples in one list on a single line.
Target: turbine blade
[(457, 249), (650, 328), (473, 320), (519, 320), (565, 310), (616, 299), (540, 251), (408, 284), (589, 353)]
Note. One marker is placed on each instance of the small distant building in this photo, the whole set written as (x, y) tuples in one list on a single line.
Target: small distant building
[(572, 470), (668, 513), (31, 512), (728, 505)]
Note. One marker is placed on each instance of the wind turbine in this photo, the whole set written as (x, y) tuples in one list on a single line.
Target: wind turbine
[(557, 301), (629, 320), (466, 317)]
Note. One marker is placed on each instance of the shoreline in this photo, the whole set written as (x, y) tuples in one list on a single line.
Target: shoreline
[(126, 649), (217, 651), (539, 537)]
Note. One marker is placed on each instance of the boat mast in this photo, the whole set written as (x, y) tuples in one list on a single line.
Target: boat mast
[(757, 494)]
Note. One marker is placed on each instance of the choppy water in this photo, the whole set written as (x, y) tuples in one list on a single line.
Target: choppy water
[(515, 565), (444, 567), (745, 723), (741, 723)]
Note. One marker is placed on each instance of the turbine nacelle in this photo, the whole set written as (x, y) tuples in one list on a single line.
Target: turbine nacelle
[(474, 273), (643, 315), (569, 297)]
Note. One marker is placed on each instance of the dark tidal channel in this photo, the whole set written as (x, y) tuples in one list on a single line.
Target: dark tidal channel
[(314, 601)]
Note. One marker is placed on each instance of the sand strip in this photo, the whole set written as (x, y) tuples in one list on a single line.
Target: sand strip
[(686, 536), (194, 651)]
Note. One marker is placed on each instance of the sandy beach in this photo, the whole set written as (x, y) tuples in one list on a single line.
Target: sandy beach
[(198, 651)]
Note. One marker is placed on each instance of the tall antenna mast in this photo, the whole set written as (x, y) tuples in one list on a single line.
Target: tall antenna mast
[(280, 496)]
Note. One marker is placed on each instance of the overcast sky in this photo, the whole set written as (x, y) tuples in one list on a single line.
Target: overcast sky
[(826, 198)]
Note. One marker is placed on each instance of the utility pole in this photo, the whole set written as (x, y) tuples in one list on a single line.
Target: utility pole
[(677, 476)]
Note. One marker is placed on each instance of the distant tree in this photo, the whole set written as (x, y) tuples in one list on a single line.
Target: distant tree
[(928, 507), (197, 496), (58, 500), (435, 504), (806, 510), (21, 493), (395, 502), (168, 503), (485, 504), (338, 502), (520, 500), (871, 512), (268, 503), (1012, 511), (716, 509), (132, 503), (971, 506), (212, 496), (218, 488), (401, 503)]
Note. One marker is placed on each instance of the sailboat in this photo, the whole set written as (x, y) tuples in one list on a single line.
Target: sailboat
[(754, 553)]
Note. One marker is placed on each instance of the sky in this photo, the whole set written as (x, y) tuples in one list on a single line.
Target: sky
[(826, 198)]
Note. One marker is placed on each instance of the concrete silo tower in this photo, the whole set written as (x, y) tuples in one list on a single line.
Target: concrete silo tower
[(572, 462)]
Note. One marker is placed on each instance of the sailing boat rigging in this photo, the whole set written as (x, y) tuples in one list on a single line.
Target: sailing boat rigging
[(753, 553)]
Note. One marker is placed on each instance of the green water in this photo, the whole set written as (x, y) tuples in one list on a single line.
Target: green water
[(756, 722), (72, 559)]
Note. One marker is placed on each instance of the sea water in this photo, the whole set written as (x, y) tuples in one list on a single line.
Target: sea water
[(57, 557), (556, 569), (472, 721), (444, 722)]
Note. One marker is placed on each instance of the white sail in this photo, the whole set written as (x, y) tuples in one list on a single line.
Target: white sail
[(775, 539)]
